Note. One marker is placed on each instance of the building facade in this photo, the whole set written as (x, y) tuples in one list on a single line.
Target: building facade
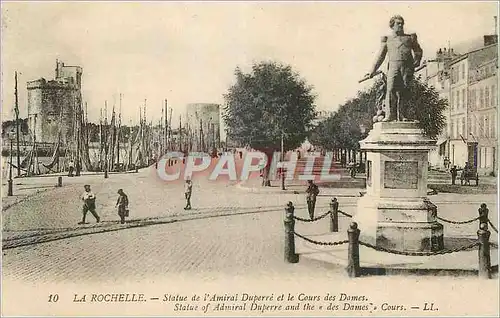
[(482, 114), (470, 84), (457, 125), (203, 124), (52, 104), (436, 73)]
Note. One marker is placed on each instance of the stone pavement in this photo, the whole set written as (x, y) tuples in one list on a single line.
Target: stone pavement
[(237, 253)]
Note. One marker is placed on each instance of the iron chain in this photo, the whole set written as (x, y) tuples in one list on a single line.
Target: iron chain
[(383, 249), (346, 214), (320, 243), (311, 220), (457, 222), (492, 226)]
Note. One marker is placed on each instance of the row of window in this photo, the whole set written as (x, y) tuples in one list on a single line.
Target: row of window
[(481, 126), (484, 97), (482, 73)]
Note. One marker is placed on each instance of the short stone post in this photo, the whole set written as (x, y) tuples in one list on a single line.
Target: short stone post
[(10, 189), (483, 215), (483, 236), (334, 215), (290, 255), (353, 268), (59, 181)]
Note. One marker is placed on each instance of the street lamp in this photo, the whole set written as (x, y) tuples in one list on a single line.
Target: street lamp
[(10, 191)]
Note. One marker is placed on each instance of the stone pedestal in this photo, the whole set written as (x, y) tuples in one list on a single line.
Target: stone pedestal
[(395, 212)]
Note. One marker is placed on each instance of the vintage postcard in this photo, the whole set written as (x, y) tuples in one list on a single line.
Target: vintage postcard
[(249, 158)]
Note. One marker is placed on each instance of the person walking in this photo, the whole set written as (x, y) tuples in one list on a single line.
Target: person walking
[(122, 205), (71, 168), (312, 192), (88, 198), (188, 189)]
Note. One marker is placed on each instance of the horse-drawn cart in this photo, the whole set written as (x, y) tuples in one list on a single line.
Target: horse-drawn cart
[(467, 175)]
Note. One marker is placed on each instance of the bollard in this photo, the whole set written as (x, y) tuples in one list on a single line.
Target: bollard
[(483, 215), (106, 174), (290, 255), (59, 181), (483, 236), (353, 269), (334, 215), (10, 191)]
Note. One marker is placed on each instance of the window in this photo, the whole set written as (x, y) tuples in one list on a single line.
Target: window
[(481, 98), (494, 127), (452, 129), (463, 98), (493, 96), (481, 124), (458, 99), (463, 71), (472, 99), (463, 128), (472, 129), (486, 97)]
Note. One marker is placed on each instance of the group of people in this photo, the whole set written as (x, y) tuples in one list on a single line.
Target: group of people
[(89, 199)]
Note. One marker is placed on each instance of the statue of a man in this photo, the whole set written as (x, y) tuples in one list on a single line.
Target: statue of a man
[(401, 65)]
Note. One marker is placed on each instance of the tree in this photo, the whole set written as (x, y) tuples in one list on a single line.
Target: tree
[(343, 128), (270, 102)]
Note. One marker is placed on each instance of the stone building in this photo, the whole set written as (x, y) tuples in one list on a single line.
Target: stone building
[(482, 110), (436, 73), (203, 122), (52, 104), (469, 83), (458, 110)]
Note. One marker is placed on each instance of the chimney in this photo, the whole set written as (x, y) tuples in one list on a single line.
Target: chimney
[(490, 39)]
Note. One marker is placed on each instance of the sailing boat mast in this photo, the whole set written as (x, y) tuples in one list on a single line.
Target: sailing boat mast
[(165, 133), (180, 133), (118, 134), (105, 139), (100, 141), (17, 129), (78, 132)]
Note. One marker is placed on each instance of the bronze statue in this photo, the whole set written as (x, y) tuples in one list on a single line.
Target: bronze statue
[(401, 66)]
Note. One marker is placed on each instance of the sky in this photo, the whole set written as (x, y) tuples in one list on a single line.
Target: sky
[(186, 52)]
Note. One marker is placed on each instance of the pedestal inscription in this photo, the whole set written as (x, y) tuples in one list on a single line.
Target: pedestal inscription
[(401, 175)]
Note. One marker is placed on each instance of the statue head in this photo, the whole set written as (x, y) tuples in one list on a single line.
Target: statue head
[(397, 24)]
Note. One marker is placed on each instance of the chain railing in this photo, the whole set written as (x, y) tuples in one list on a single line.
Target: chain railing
[(345, 214), (311, 220), (492, 226), (320, 243), (353, 267), (391, 251), (457, 222)]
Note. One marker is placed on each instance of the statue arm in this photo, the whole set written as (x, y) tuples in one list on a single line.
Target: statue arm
[(380, 56), (417, 50)]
